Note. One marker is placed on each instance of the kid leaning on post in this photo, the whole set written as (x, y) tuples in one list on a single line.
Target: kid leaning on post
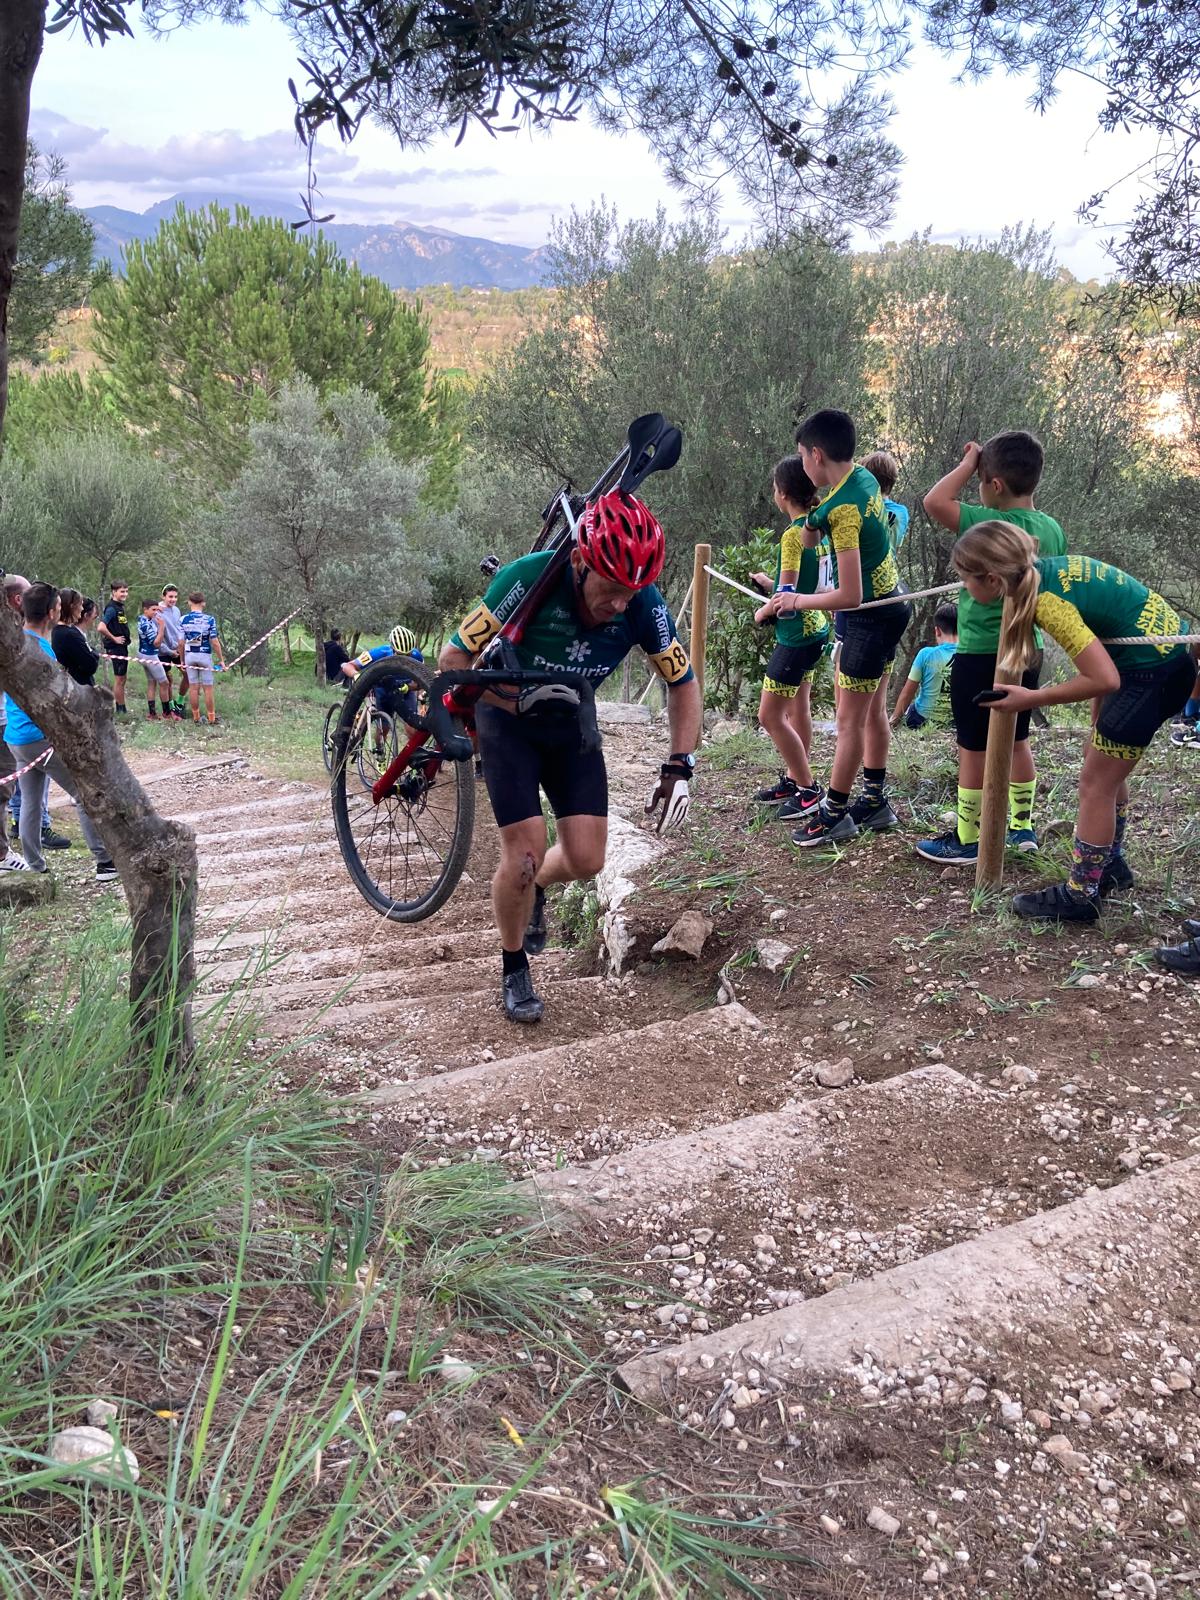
[(785, 706), (1081, 603), (1009, 467)]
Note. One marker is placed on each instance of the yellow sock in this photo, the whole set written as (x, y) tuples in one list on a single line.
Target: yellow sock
[(1020, 804), (970, 806)]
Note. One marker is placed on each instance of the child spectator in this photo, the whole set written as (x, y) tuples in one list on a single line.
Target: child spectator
[(864, 568), (336, 656), (1081, 603), (785, 707), (1186, 727), (1009, 467), (67, 640), (885, 469), (200, 643), (924, 699), (115, 634), (26, 742), (150, 638), (170, 651)]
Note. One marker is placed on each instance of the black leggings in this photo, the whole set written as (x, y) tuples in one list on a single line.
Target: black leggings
[(523, 755)]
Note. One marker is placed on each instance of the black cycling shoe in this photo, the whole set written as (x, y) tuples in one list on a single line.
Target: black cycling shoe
[(1181, 958), (1117, 876), (521, 1004), (1191, 927), (1059, 904), (534, 941)]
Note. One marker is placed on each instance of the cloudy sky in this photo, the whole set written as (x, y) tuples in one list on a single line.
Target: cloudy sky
[(208, 109)]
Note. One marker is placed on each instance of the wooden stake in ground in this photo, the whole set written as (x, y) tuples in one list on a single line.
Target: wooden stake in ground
[(700, 613), (997, 773)]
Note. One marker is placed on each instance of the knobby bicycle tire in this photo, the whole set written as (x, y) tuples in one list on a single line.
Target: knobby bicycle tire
[(406, 855), (328, 730)]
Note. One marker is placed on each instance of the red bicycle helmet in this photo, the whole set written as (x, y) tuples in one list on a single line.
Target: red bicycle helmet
[(620, 539)]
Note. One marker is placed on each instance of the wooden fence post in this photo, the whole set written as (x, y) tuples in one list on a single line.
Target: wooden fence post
[(997, 771), (699, 637)]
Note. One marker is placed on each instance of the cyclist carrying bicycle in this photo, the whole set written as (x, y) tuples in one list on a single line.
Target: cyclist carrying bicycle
[(398, 699), (605, 606)]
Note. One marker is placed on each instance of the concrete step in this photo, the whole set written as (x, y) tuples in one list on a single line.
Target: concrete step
[(225, 817), (594, 1094), (342, 1006), (1110, 1244), (386, 948), (282, 831)]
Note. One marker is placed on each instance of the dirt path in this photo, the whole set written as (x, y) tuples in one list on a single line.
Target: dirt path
[(1038, 1432)]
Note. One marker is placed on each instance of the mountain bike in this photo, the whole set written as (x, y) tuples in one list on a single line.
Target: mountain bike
[(405, 839), (373, 742)]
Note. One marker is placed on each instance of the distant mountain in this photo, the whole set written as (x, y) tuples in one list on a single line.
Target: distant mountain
[(402, 254)]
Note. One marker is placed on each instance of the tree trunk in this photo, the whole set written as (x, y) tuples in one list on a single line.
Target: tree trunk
[(319, 637), (22, 28), (155, 856), (287, 648)]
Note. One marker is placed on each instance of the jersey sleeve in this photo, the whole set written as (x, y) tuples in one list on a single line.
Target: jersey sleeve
[(916, 672), (791, 548), (1064, 624), (655, 633), (483, 624), (365, 659), (845, 527)]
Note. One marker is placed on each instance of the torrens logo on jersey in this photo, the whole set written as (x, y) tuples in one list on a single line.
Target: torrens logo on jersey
[(506, 606), (661, 617)]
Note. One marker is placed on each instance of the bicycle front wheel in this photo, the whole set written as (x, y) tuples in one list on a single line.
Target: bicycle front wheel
[(327, 733), (407, 853)]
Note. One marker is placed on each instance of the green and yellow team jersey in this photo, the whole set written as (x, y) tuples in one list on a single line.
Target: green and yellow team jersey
[(556, 638), (811, 567), (1082, 600), (853, 517), (979, 625)]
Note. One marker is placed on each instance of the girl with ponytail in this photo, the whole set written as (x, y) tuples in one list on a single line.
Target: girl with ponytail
[(1083, 603)]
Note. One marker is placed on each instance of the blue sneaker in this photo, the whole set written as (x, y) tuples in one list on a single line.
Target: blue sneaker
[(949, 850), (1024, 839)]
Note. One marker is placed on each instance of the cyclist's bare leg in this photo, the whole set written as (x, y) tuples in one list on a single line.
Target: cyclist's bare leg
[(522, 852), (579, 852)]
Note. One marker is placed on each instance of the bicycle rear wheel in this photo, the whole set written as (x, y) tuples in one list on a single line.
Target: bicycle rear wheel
[(327, 733), (406, 854)]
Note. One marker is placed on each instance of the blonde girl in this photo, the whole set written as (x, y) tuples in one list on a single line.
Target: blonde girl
[(1081, 603)]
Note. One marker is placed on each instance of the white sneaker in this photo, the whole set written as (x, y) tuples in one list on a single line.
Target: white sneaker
[(14, 863)]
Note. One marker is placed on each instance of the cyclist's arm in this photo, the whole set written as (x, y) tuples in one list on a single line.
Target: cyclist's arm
[(350, 669), (684, 715), (452, 659)]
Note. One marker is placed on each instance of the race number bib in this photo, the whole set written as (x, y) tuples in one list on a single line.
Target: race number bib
[(824, 573), (478, 629), (671, 664)]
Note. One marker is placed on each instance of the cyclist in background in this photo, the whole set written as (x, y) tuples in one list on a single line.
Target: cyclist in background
[(398, 697), (605, 605)]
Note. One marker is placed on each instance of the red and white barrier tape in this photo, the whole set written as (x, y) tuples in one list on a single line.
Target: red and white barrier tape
[(251, 648), (11, 777)]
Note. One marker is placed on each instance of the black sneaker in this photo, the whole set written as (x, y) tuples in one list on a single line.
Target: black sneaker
[(802, 804), (822, 828), (1117, 875), (784, 788), (1058, 904), (55, 841), (1181, 958), (1191, 927), (875, 815), (106, 872), (535, 934), (521, 1004), (1184, 730)]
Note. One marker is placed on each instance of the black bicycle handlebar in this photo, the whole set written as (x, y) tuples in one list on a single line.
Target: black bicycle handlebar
[(457, 747)]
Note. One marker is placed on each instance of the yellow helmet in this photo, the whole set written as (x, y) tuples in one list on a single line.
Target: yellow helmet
[(403, 641)]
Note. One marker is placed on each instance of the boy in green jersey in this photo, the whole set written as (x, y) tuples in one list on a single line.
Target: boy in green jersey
[(851, 515), (1009, 466), (785, 706)]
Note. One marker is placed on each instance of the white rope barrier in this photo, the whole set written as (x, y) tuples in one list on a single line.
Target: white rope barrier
[(270, 631)]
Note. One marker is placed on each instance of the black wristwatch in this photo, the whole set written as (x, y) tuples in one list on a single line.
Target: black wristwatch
[(684, 758)]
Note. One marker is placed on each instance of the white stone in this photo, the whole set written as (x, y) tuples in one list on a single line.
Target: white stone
[(97, 1450), (686, 936), (835, 1074), (452, 1369), (883, 1522), (395, 1419), (831, 1525), (100, 1413), (773, 954)]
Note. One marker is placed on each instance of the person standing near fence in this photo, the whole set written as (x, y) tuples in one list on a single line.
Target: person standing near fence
[(116, 634), (26, 743), (201, 643), (170, 652)]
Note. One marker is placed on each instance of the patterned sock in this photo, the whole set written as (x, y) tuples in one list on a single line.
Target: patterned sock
[(875, 784), (836, 802), (1087, 867), (1020, 804), (1118, 844), (970, 807)]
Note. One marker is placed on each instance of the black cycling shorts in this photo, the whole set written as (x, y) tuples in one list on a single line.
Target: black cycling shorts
[(397, 702), (1148, 696), (791, 665), (120, 663), (969, 675), (523, 755), (869, 646)]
